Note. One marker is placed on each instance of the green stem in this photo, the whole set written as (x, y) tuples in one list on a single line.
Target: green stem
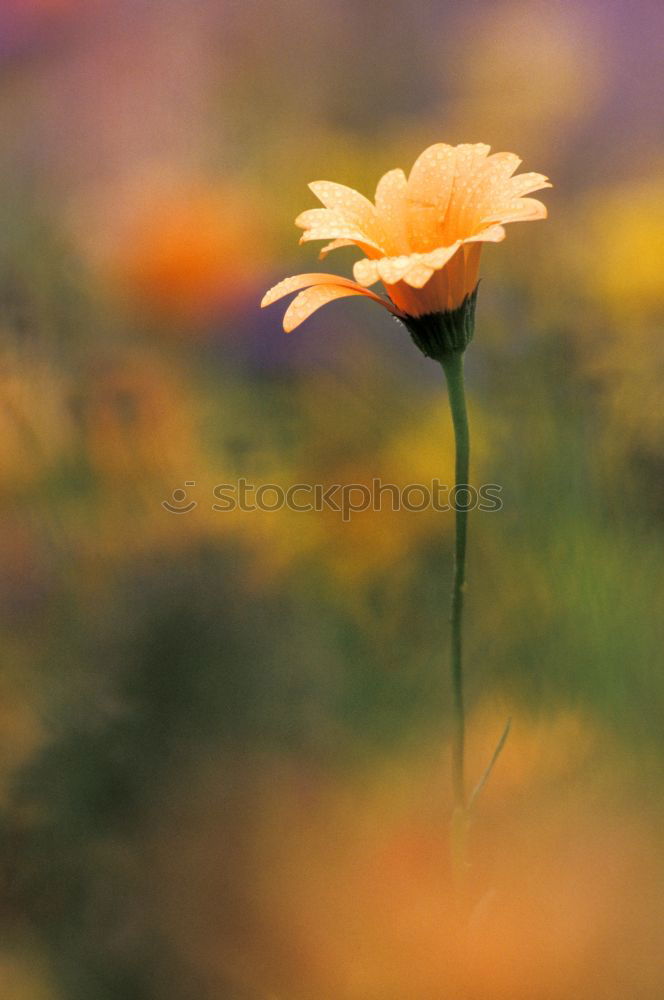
[(453, 368)]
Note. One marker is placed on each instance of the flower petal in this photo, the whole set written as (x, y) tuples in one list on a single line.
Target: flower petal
[(520, 210), (311, 299), (335, 245), (418, 274), (320, 288), (430, 290), (492, 234), (439, 257), (391, 208), (471, 152), (531, 209), (471, 166), (392, 269), (503, 164), (325, 223), (313, 217), (340, 231), (500, 200), (351, 205), (424, 265), (471, 262), (525, 183), (429, 189), (415, 268), (406, 267), (438, 188), (366, 272)]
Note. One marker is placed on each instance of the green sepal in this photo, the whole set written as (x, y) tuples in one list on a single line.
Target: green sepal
[(440, 334)]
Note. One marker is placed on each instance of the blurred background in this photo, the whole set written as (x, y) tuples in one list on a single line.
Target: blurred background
[(224, 767)]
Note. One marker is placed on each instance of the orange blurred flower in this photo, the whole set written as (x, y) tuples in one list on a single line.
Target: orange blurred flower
[(176, 245), (184, 255), (346, 892), (422, 238)]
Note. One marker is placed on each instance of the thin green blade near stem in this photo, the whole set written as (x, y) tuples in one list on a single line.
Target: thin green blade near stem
[(496, 754)]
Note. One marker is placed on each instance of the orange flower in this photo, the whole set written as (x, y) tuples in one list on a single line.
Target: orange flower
[(422, 238)]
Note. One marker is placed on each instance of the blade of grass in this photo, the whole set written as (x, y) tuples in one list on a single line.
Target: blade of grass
[(496, 754)]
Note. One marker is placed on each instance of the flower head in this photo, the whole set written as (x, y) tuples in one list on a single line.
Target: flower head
[(423, 236)]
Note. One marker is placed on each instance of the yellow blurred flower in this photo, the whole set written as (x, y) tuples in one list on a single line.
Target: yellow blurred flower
[(623, 350), (24, 976), (423, 236), (630, 278), (414, 469), (139, 422), (35, 420), (140, 438), (394, 461)]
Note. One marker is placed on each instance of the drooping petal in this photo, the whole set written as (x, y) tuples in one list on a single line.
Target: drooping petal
[(298, 281), (311, 299), (320, 289)]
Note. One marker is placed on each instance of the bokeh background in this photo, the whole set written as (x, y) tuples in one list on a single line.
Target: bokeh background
[(224, 767)]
